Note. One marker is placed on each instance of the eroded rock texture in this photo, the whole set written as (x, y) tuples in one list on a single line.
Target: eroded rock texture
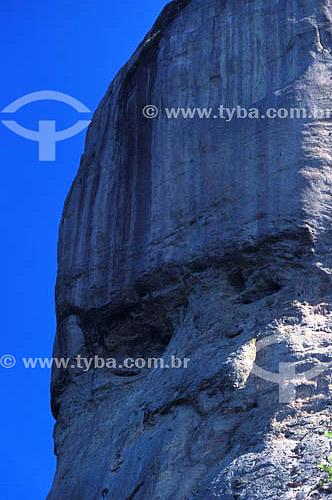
[(198, 238)]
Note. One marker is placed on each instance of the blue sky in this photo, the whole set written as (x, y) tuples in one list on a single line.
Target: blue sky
[(76, 48)]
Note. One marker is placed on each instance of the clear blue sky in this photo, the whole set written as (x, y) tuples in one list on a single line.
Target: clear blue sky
[(73, 47)]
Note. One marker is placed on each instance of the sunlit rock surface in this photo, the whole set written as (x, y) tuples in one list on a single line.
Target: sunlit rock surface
[(200, 238)]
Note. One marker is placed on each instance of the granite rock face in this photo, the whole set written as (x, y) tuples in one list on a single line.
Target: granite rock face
[(201, 238)]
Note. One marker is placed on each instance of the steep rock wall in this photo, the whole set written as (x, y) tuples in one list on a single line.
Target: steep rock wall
[(196, 238)]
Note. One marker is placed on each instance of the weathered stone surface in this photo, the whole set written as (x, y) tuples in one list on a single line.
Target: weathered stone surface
[(197, 238)]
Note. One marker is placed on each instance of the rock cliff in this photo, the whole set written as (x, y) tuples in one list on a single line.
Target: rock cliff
[(202, 239)]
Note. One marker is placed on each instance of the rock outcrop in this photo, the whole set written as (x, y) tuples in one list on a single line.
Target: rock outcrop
[(201, 238)]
